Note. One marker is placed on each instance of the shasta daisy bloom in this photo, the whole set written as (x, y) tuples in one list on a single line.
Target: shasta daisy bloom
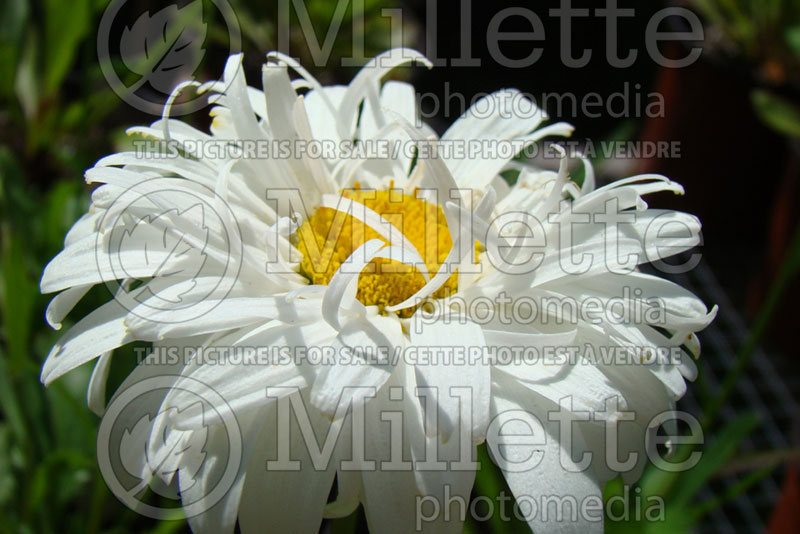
[(403, 285)]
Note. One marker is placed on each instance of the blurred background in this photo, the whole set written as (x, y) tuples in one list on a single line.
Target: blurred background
[(734, 116)]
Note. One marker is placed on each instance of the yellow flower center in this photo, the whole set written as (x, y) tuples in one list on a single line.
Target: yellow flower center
[(330, 236)]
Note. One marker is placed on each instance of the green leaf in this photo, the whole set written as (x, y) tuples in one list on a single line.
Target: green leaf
[(61, 207), (761, 460), (734, 491), (7, 482), (66, 24), (717, 452), (16, 203), (778, 113), (69, 468), (13, 21), (490, 482), (19, 296), (682, 485), (789, 269), (792, 36), (26, 83), (10, 405)]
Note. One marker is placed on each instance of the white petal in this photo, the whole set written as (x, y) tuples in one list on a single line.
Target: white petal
[(221, 314), (62, 304), (96, 391), (370, 76), (390, 496), (100, 331), (221, 517), (355, 379), (461, 365), (243, 384), (376, 222), (549, 479), (349, 489), (344, 282), (285, 501)]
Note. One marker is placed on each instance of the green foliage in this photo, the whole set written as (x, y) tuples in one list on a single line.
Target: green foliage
[(65, 26), (779, 113), (766, 33)]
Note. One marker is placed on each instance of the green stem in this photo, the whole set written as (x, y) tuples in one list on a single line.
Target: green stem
[(787, 272), (734, 491)]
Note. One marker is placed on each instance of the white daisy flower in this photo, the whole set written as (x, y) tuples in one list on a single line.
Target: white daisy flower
[(448, 308)]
